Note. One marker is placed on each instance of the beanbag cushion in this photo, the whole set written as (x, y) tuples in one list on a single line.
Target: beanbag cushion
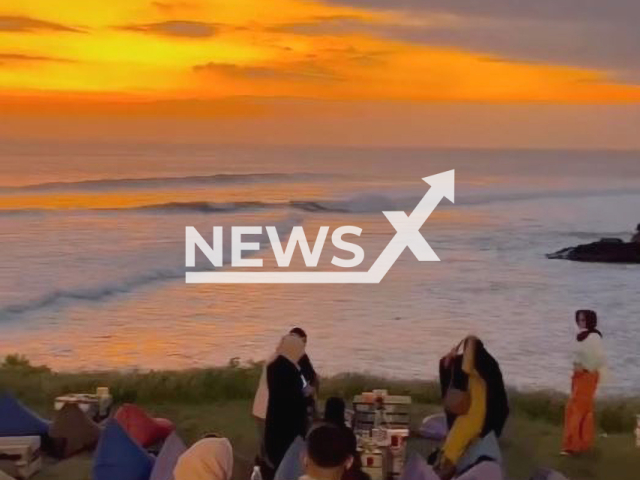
[(483, 448), (291, 465), (72, 431), (120, 457), (417, 468), (16, 420), (141, 427), (547, 474), (168, 458), (434, 427), (483, 471)]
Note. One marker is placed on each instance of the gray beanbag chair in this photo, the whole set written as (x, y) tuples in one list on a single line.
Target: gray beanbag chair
[(167, 459), (417, 468), (484, 448), (291, 466), (434, 427), (547, 474), (483, 471)]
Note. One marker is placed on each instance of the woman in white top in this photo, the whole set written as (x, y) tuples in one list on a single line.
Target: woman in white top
[(588, 362)]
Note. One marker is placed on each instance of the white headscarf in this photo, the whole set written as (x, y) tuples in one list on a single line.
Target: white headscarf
[(292, 348), (207, 459)]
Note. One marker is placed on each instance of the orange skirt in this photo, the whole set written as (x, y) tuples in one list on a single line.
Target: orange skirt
[(579, 423)]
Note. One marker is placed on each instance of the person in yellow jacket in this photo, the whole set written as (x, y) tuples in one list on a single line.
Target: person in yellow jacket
[(487, 402)]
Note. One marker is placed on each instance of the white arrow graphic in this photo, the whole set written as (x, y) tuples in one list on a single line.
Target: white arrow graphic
[(407, 236)]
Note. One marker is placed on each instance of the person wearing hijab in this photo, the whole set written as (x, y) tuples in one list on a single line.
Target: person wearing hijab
[(207, 459), (261, 399), (588, 363), (478, 373), (286, 410)]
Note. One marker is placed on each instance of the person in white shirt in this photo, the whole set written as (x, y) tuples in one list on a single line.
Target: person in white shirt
[(261, 400), (588, 364), (309, 376)]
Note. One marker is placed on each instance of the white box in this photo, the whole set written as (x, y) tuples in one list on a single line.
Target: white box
[(95, 406), (373, 464), (20, 456)]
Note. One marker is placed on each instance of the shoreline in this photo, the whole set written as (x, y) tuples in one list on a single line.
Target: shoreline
[(39, 385)]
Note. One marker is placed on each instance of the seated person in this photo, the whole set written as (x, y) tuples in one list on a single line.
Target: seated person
[(636, 236), (208, 459), (328, 454), (334, 414)]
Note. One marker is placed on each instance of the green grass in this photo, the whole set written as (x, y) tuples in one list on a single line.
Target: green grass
[(219, 400)]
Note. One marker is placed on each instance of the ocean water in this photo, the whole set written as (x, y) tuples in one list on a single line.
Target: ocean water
[(92, 257)]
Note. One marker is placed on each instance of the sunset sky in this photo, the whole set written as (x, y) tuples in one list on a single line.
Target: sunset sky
[(434, 72)]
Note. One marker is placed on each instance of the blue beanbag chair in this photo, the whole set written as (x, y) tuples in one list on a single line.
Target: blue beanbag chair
[(167, 459), (417, 468), (17, 420), (118, 457), (291, 466)]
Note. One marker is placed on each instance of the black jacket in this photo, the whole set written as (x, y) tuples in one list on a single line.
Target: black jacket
[(308, 372), (286, 411)]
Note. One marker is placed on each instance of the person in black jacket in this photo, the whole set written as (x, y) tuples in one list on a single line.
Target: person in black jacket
[(287, 408), (310, 376)]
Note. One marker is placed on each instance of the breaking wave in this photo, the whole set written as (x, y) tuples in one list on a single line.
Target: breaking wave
[(167, 182)]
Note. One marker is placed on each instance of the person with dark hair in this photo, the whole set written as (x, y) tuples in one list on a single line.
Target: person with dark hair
[(588, 363), (334, 414), (636, 236), (286, 410), (476, 406), (310, 377), (306, 367), (329, 453)]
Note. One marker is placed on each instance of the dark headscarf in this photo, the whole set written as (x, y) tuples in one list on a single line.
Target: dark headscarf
[(489, 369), (334, 411), (334, 414), (591, 320)]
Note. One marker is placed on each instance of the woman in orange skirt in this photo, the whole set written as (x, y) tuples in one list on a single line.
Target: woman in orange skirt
[(579, 424)]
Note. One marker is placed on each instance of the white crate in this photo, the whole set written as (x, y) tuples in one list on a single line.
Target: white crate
[(20, 456), (373, 464), (395, 413), (95, 406)]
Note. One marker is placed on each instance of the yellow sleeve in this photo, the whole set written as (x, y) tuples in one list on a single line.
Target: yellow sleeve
[(468, 427)]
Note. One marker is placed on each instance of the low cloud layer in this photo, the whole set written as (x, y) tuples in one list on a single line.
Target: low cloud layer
[(306, 71), (10, 23), (586, 33), (175, 28)]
